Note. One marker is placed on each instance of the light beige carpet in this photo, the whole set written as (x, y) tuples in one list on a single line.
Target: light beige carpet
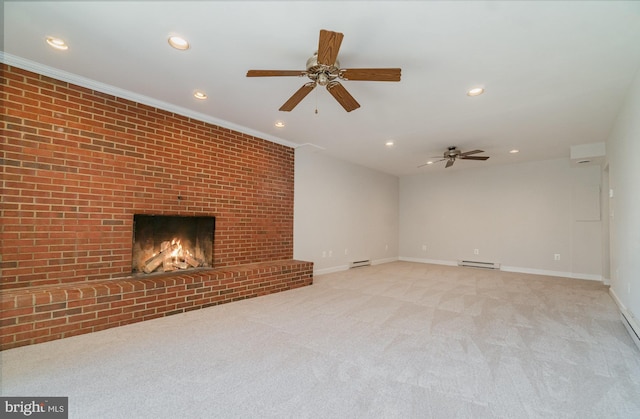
[(399, 340)]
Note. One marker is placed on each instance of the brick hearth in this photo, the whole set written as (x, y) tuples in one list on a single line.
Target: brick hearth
[(78, 164), (39, 314)]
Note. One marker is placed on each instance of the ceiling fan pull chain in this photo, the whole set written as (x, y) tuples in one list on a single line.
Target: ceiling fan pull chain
[(316, 102)]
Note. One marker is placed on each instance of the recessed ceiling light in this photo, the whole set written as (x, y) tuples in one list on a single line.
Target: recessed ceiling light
[(279, 124), (389, 143), (429, 162), (57, 43), (475, 91), (200, 95), (178, 43), (514, 151)]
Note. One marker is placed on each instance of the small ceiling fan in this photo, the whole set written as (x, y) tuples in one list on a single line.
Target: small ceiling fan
[(453, 153), (323, 68)]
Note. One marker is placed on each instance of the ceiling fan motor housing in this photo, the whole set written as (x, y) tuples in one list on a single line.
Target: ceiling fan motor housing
[(451, 153), (320, 73)]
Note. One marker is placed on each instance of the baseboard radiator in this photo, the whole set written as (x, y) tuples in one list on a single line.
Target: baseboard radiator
[(360, 263), (477, 264), (632, 327)]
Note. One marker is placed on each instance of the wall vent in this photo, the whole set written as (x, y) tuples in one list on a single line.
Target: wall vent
[(476, 264), (359, 263)]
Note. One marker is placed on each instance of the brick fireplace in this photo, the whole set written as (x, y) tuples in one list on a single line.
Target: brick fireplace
[(168, 243), (78, 165)]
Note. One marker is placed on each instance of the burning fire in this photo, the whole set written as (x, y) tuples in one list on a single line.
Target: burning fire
[(172, 256), (177, 251)]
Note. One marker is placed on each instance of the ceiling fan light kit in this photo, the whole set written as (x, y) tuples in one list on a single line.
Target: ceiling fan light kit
[(323, 68)]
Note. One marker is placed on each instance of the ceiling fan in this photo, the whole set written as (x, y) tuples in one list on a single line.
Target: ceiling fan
[(323, 68), (453, 153)]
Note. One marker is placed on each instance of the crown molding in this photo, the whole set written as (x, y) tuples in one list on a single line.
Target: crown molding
[(65, 76)]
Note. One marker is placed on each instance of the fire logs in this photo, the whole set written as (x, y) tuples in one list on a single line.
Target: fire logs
[(192, 261), (171, 257)]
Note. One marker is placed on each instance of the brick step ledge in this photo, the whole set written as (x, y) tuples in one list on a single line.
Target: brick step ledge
[(44, 313)]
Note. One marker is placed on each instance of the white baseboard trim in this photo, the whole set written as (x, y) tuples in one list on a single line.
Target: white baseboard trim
[(511, 269), (544, 272), (516, 269), (381, 261), (628, 319), (430, 261), (340, 268)]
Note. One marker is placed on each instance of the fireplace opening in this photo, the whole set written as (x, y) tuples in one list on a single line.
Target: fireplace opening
[(167, 243)]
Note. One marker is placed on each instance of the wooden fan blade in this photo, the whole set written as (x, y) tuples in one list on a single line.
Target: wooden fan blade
[(371, 74), (474, 157), (466, 153), (449, 163), (328, 47), (275, 73), (342, 96), (297, 97)]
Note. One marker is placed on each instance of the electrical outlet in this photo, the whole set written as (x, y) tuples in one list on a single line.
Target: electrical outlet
[(346, 252), (556, 256), (424, 247), (476, 251), (324, 253), (386, 247), (330, 253)]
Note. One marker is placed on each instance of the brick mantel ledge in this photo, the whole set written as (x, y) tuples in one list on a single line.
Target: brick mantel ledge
[(40, 314)]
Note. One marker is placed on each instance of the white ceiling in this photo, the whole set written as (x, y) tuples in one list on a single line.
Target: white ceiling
[(555, 73)]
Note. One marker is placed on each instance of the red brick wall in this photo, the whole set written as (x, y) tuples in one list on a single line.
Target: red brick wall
[(77, 164), (40, 314)]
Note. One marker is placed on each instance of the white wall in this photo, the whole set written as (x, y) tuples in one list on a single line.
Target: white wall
[(517, 215), (342, 212), (623, 154)]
